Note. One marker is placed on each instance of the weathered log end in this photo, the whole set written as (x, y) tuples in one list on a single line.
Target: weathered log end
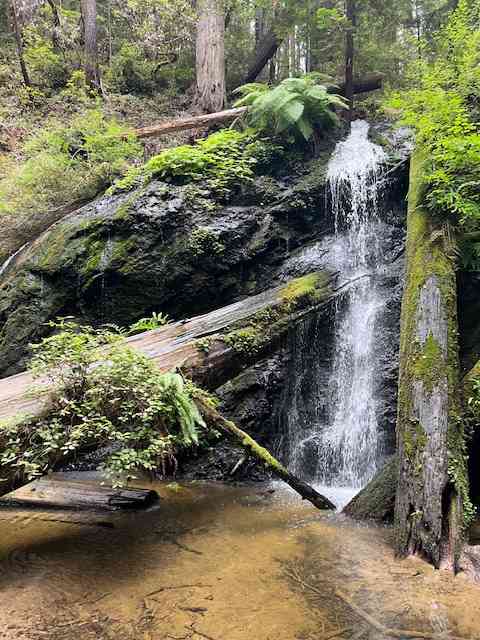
[(433, 480), (376, 501), (66, 494)]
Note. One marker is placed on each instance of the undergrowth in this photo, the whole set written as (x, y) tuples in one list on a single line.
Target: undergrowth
[(102, 394)]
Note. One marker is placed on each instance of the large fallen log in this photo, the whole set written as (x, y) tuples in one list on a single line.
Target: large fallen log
[(194, 122), (262, 455), (67, 494), (361, 85)]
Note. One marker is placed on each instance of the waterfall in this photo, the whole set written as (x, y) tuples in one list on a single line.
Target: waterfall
[(330, 410), (348, 446)]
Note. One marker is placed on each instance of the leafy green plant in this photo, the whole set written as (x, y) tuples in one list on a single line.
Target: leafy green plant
[(155, 321), (296, 105), (103, 393), (221, 161), (443, 110)]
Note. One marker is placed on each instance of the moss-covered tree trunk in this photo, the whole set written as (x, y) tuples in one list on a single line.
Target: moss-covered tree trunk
[(432, 478)]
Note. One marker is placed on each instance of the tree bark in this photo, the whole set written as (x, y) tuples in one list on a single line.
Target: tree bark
[(265, 51), (262, 455), (433, 482), (350, 55), (19, 43), (210, 57), (89, 12), (68, 494)]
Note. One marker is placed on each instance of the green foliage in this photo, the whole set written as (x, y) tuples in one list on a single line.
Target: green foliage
[(297, 106), (222, 161), (65, 164), (45, 64), (103, 393), (443, 110), (155, 321)]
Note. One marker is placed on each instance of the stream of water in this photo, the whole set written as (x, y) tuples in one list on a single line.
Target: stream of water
[(342, 432), (220, 563)]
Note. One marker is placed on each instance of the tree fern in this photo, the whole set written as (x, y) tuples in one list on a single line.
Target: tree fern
[(296, 105)]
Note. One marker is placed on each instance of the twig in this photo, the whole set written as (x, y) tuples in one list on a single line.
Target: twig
[(199, 633), (185, 548), (180, 586)]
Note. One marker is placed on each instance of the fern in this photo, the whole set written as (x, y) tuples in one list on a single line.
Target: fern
[(296, 105)]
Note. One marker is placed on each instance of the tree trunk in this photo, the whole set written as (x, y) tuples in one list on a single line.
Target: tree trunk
[(261, 454), (19, 43), (89, 12), (266, 49), (433, 482), (350, 55), (210, 57)]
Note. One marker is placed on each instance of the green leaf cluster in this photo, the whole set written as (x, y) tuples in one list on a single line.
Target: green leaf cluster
[(104, 394), (296, 106), (222, 161), (443, 109), (155, 321)]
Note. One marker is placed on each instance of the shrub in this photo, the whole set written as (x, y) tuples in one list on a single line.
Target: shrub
[(66, 164), (297, 106), (443, 110), (103, 393), (223, 160), (155, 321)]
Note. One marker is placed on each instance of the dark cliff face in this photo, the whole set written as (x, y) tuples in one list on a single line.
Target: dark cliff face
[(164, 248)]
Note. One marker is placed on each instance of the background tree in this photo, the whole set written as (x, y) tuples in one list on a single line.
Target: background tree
[(89, 14), (210, 56)]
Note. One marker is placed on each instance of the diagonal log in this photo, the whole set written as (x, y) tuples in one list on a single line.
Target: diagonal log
[(262, 455)]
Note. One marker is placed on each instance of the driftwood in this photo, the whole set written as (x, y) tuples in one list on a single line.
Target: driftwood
[(262, 455), (363, 85), (67, 494)]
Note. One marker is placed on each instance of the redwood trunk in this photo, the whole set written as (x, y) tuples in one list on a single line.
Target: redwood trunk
[(210, 57), (89, 12), (433, 482), (19, 43), (349, 55)]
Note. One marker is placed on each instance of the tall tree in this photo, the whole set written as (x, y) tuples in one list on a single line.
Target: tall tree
[(351, 15), (89, 13), (210, 56), (19, 42)]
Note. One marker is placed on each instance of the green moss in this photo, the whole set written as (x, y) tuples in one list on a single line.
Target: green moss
[(273, 322), (303, 289), (429, 365), (205, 243)]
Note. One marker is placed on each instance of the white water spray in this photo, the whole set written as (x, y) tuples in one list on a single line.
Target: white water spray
[(348, 446)]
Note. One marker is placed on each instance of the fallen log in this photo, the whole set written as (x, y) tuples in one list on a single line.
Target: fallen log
[(215, 419), (194, 122), (68, 494)]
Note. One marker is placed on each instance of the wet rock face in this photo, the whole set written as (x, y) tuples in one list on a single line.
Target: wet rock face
[(164, 248), (469, 319)]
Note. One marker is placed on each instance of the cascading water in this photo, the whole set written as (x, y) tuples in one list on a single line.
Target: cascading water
[(330, 410), (348, 446)]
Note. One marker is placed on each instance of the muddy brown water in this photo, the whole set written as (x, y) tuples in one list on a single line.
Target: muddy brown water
[(220, 563)]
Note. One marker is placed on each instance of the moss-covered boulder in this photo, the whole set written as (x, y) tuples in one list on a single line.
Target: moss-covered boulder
[(174, 249)]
